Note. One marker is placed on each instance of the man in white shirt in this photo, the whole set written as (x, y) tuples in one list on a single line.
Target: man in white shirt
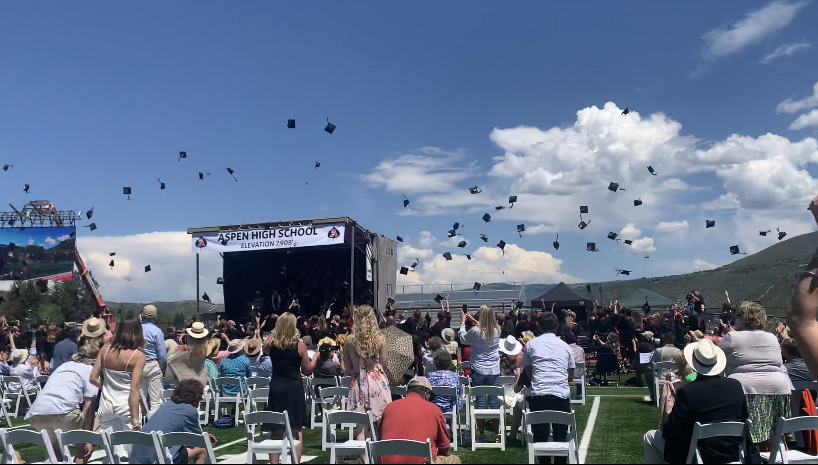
[(549, 363), (68, 388)]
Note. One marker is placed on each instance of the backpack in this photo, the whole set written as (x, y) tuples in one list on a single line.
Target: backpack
[(225, 422)]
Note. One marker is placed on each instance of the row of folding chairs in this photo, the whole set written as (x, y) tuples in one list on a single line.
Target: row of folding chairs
[(105, 441), (250, 392)]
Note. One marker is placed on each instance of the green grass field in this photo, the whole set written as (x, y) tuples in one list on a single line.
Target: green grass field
[(623, 418)]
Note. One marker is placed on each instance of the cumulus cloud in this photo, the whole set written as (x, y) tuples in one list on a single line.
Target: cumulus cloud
[(671, 226), (49, 241), (750, 30), (641, 246), (806, 120), (630, 232), (30, 241), (701, 265), (794, 106), (786, 50), (541, 229), (408, 254), (64, 237), (426, 239), (429, 170)]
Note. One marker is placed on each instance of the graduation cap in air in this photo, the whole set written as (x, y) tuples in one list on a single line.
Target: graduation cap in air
[(612, 236), (72, 234), (405, 202), (25, 189), (764, 233), (220, 280), (502, 246), (588, 287), (400, 239), (330, 128), (637, 202), (781, 234), (486, 217), (709, 223), (468, 256), (462, 244), (404, 270), (650, 168), (520, 229), (484, 237), (89, 213), (591, 247), (6, 167), (291, 123), (206, 297), (477, 287), (625, 272), (583, 224), (447, 256), (127, 191), (415, 265), (557, 242), (511, 200), (452, 233), (112, 254), (92, 226), (456, 225), (161, 184), (111, 264), (625, 111), (628, 241), (201, 175), (475, 190), (438, 298), (613, 187), (499, 208), (317, 165), (147, 268), (230, 170), (182, 155), (583, 209), (735, 251)]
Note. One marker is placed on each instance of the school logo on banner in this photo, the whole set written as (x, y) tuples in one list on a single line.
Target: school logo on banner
[(333, 233), (200, 243), (286, 237)]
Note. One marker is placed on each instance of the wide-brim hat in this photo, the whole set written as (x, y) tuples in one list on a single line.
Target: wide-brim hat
[(252, 346), (235, 346), (705, 358), (19, 356), (447, 335), (212, 346), (93, 327), (511, 346), (197, 330)]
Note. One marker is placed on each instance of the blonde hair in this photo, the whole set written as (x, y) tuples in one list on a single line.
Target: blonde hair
[(753, 316), (287, 335), (613, 341), (527, 336), (488, 322), (682, 367), (342, 339), (197, 348), (365, 337)]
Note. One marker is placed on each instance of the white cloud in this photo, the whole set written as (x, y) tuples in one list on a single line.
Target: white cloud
[(408, 254), (49, 241), (426, 239), (671, 226), (727, 201), (30, 241), (630, 232), (641, 246), (675, 184), (750, 30), (805, 121), (786, 50), (794, 106), (429, 170), (541, 229), (701, 265)]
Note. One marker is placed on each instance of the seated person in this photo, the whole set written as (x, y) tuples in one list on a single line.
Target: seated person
[(445, 377), (179, 415), (327, 365), (711, 398), (796, 368)]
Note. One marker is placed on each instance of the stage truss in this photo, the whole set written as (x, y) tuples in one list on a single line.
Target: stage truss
[(39, 214)]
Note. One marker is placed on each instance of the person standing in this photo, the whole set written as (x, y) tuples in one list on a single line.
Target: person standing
[(484, 340), (155, 359), (190, 364), (549, 363)]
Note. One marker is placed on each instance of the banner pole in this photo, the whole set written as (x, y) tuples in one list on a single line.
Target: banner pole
[(197, 286), (352, 266)]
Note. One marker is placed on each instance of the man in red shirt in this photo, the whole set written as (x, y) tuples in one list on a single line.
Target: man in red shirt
[(416, 418)]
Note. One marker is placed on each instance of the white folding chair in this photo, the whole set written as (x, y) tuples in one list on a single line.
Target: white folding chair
[(167, 394), (306, 381), (778, 451), (41, 380), (118, 440), (452, 417), (378, 449), (488, 414), (257, 382), (15, 396), (257, 396), (221, 398), (8, 439), (399, 391), (568, 449), (465, 366), (506, 380), (329, 397), (80, 438), (579, 382), (465, 383), (715, 430), (315, 384), (350, 447), (5, 404), (659, 370), (285, 446), (168, 440), (344, 381)]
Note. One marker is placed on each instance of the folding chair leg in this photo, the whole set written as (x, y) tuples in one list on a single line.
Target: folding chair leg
[(502, 431), (473, 429)]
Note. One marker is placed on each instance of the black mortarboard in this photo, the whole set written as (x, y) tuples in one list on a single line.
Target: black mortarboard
[(230, 170), (162, 185), (400, 239), (404, 270), (612, 235), (456, 225), (462, 244), (709, 223), (317, 165), (415, 265), (112, 254), (452, 233), (89, 213), (206, 297), (147, 268), (590, 247), (502, 245), (520, 228), (637, 202), (219, 280), (438, 298), (650, 168), (474, 190), (588, 287), (625, 272), (613, 187), (468, 256), (734, 250), (477, 287), (628, 241), (25, 189), (486, 217), (72, 234), (484, 237), (583, 225), (557, 242), (405, 202), (583, 209), (519, 303), (447, 256), (625, 111), (781, 234), (126, 190), (92, 226), (330, 128), (764, 233), (291, 123), (182, 155), (511, 200), (499, 208), (111, 264), (201, 175), (5, 167)]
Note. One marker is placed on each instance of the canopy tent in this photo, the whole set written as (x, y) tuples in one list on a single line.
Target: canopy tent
[(562, 297), (637, 299)]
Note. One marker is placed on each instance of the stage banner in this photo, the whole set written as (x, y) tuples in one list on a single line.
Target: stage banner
[(37, 253), (274, 238)]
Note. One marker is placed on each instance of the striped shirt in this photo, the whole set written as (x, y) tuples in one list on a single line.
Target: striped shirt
[(235, 366)]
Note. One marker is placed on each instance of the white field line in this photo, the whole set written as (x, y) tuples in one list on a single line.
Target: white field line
[(589, 430)]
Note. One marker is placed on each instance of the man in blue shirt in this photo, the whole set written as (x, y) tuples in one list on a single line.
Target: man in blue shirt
[(236, 365), (155, 359), (179, 415)]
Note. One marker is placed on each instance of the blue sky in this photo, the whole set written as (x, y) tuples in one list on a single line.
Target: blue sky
[(99, 95), (46, 237)]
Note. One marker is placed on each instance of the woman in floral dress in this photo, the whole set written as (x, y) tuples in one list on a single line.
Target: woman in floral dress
[(365, 360)]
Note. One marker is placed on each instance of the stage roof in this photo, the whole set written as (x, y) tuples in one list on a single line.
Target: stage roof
[(274, 224)]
